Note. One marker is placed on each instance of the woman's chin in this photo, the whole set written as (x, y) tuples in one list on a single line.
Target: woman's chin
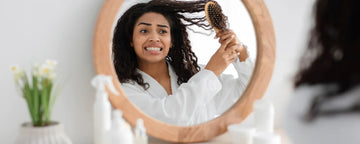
[(154, 59)]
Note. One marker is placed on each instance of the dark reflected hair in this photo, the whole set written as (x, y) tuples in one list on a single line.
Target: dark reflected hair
[(333, 52), (180, 56)]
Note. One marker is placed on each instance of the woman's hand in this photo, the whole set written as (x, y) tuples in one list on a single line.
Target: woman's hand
[(226, 54), (234, 45)]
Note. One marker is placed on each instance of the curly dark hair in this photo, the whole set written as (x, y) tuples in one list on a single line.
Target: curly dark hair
[(180, 56), (333, 52)]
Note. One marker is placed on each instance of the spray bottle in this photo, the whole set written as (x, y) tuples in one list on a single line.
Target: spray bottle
[(102, 107)]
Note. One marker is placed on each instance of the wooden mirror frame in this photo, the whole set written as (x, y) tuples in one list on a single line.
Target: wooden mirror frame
[(256, 88)]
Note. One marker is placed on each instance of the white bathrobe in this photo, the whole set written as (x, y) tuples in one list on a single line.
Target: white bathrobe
[(204, 97)]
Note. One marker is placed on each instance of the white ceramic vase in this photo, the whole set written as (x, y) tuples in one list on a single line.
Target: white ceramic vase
[(51, 134)]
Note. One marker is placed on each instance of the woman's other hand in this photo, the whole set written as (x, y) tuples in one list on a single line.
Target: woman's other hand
[(225, 55), (235, 45)]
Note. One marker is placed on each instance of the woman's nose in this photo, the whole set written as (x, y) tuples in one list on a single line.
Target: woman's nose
[(154, 37)]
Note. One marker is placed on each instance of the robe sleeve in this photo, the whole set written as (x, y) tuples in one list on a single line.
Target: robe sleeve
[(179, 107), (232, 88)]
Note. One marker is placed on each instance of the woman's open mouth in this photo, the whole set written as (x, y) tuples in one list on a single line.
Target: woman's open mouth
[(153, 49)]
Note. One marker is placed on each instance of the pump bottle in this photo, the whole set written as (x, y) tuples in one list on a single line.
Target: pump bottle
[(120, 131)]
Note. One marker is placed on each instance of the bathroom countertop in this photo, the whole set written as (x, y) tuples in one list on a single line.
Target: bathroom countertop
[(223, 139)]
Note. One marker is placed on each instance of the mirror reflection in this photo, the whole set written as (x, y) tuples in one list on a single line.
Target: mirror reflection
[(173, 67)]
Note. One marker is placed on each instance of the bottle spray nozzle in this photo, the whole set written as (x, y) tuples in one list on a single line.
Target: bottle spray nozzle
[(99, 82)]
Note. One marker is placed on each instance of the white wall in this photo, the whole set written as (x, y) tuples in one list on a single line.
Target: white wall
[(36, 30), (292, 21)]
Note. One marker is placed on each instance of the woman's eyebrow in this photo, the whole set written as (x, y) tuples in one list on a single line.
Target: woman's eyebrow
[(163, 26), (148, 24), (142, 23)]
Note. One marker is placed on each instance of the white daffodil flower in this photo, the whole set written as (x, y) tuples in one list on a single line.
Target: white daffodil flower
[(15, 68), (45, 70), (18, 72), (51, 63)]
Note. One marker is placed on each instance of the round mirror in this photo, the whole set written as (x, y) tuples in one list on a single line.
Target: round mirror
[(178, 106), (242, 22)]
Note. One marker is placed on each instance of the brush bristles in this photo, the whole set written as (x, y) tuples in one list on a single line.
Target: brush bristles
[(215, 16)]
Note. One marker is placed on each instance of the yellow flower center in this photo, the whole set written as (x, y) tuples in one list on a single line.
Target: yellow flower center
[(45, 70), (13, 68)]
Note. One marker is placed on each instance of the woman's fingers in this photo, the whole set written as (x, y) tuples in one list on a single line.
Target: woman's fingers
[(233, 58), (234, 45), (226, 54), (232, 54), (225, 37), (225, 43), (222, 33)]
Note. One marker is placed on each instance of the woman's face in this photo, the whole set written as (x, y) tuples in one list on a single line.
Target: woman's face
[(151, 38)]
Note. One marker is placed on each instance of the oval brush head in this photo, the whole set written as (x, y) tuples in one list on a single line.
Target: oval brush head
[(215, 16)]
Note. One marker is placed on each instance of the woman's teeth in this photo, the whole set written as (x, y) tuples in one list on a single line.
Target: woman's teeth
[(153, 49)]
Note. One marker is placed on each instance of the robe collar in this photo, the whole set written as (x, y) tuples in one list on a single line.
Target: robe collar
[(156, 89)]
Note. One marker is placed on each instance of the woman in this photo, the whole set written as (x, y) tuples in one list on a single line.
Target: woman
[(159, 71), (326, 105)]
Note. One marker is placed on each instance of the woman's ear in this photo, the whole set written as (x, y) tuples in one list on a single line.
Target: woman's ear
[(131, 44)]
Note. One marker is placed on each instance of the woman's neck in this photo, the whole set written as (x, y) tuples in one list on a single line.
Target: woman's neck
[(155, 70)]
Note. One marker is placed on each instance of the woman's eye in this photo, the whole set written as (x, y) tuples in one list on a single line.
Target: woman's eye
[(163, 31), (143, 31)]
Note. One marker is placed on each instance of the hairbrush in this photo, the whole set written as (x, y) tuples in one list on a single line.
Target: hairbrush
[(215, 16)]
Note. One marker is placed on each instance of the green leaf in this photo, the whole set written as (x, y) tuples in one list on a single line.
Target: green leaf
[(27, 95), (36, 99), (57, 87), (44, 97), (47, 114)]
